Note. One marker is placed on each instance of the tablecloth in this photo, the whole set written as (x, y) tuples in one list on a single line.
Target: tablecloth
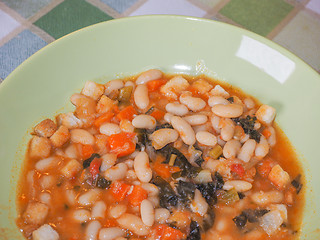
[(28, 25)]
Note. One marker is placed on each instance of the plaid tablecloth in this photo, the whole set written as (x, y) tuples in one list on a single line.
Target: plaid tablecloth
[(28, 25)]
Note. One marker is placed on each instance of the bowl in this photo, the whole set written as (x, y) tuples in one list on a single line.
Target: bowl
[(42, 85)]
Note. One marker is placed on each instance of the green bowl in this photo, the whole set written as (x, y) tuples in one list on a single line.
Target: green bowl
[(42, 85)]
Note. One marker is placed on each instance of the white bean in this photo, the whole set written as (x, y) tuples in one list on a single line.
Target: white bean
[(47, 181), (81, 215), (231, 148), (82, 136), (129, 163), (46, 164), (214, 100), (199, 204), (163, 136), (167, 117), (265, 198), (154, 200), (117, 211), (149, 75), (111, 233), (109, 129), (227, 130), (141, 97), (147, 212), (45, 198), (249, 103), (215, 122), (142, 168), (134, 224), (262, 148), (177, 109), (238, 185), (161, 215), (116, 172), (247, 150), (92, 230), (131, 175), (108, 160), (185, 130), (113, 85), (144, 121), (193, 103), (130, 83), (272, 139), (227, 111), (98, 210), (126, 126), (71, 196), (90, 197), (206, 138), (152, 189), (196, 119)]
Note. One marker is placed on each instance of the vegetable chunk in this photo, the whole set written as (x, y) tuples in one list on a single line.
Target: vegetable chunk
[(36, 213), (40, 147)]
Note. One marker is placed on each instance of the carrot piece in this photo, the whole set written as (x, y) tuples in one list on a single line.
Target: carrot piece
[(170, 233), (94, 167), (137, 195), (122, 144), (266, 133), (127, 113), (164, 232), (238, 169), (154, 85), (157, 114), (106, 117), (164, 170), (86, 151), (264, 167), (119, 190)]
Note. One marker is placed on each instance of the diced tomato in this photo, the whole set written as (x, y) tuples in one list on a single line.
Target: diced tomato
[(137, 195), (154, 85), (122, 143), (119, 190), (164, 170), (95, 166), (164, 232), (265, 166), (106, 117), (238, 169), (86, 150), (127, 113), (158, 114)]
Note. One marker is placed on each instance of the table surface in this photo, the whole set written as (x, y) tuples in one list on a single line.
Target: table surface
[(28, 25)]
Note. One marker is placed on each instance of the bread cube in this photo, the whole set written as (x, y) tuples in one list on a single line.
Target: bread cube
[(266, 114), (279, 177), (45, 232), (174, 86), (36, 213), (45, 128), (93, 90), (105, 104), (60, 137), (69, 120), (271, 221), (202, 86), (40, 147), (71, 168), (219, 91)]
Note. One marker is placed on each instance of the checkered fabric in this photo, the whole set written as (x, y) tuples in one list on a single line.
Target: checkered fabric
[(28, 25)]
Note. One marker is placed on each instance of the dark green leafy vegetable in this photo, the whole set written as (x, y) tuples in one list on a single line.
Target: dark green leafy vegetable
[(248, 126), (208, 190), (168, 197), (241, 195), (185, 191), (194, 233), (249, 215), (229, 196), (297, 183), (230, 99), (208, 219), (86, 163), (181, 161), (103, 183), (199, 159), (150, 110), (165, 125)]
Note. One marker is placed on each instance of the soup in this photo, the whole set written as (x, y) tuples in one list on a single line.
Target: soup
[(159, 156)]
